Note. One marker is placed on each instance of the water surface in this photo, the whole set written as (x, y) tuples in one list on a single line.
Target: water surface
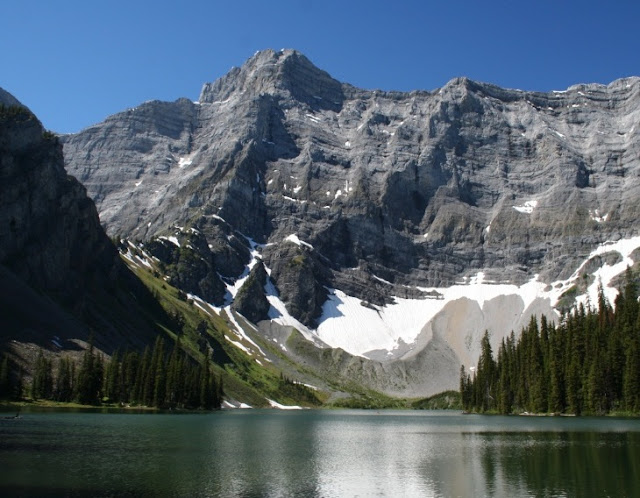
[(323, 453)]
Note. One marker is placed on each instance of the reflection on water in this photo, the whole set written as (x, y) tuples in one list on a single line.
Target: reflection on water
[(317, 453)]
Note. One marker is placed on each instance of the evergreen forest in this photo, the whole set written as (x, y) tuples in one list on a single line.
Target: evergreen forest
[(153, 379), (589, 363)]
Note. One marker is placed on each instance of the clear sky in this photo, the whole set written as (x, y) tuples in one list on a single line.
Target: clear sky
[(76, 62)]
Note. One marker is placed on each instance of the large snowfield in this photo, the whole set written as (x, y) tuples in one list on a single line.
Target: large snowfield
[(345, 323)]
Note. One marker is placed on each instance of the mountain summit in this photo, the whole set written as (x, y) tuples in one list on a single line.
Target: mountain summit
[(395, 226), (286, 73)]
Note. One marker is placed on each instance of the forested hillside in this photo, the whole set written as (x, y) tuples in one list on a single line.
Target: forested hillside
[(588, 364)]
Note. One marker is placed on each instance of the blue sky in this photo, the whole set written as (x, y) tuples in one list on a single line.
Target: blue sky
[(75, 63)]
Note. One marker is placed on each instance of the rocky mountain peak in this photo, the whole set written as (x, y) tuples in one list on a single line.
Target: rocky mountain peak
[(282, 73)]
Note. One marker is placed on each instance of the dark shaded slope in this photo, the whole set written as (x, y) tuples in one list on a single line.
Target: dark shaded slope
[(61, 277)]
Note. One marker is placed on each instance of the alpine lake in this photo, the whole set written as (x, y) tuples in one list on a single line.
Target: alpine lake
[(324, 453)]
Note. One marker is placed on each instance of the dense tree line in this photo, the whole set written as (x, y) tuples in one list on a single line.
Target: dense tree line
[(10, 380), (151, 379), (588, 364)]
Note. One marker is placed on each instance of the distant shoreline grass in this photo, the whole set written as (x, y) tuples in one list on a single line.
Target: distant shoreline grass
[(7, 406)]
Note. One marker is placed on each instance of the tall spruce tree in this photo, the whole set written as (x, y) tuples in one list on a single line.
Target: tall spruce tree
[(64, 380), (42, 383), (485, 379), (5, 378), (89, 383)]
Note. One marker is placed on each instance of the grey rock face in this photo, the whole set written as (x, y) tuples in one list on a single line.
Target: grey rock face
[(417, 188), (251, 301), (299, 277), (188, 266)]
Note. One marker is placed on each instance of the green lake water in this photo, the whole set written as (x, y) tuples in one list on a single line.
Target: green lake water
[(325, 453)]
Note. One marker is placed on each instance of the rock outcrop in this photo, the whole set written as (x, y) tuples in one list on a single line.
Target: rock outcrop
[(251, 301)]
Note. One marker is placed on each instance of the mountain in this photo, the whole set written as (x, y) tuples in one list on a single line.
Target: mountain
[(62, 281), (390, 229)]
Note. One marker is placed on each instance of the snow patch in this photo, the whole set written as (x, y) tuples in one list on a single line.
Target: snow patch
[(184, 161), (527, 207), (357, 329), (255, 256), (279, 314), (237, 344), (381, 280), (294, 238), (235, 405), (240, 331), (277, 405), (597, 217), (307, 385), (607, 273), (171, 239)]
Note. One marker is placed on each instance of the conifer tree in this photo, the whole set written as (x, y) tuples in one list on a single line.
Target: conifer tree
[(465, 391), (556, 371), (42, 383), (219, 392), (111, 378), (631, 377), (89, 381), (485, 380), (141, 374), (505, 388), (173, 373), (128, 373), (5, 378), (154, 376), (64, 380)]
